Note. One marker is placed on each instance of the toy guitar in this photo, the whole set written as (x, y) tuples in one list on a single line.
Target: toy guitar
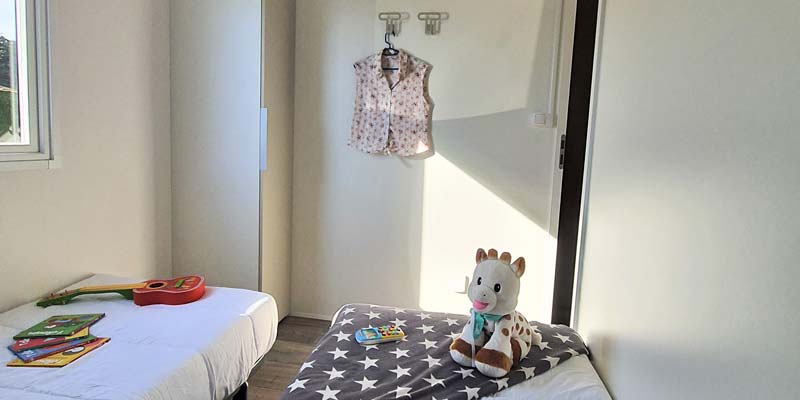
[(173, 292)]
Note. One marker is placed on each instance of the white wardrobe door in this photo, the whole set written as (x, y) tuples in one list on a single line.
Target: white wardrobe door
[(215, 103)]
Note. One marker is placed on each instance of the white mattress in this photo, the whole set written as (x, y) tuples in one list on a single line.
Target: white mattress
[(575, 379), (201, 350)]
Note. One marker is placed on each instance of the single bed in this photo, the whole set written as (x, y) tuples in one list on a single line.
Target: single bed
[(201, 350), (573, 379)]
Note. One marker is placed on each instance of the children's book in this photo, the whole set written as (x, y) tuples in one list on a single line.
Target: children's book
[(42, 352), (60, 325), (61, 359), (35, 343)]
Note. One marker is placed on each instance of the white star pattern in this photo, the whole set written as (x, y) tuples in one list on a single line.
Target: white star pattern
[(309, 364), (367, 384), (333, 373), (572, 351), (552, 360), (328, 394), (401, 391), (369, 362), (425, 329), (427, 336), (501, 383), (433, 381), (454, 335), (432, 361), (543, 345), (563, 338), (341, 336), (337, 354), (400, 353), (528, 372), (428, 344), (399, 322), (400, 371), (464, 373), (472, 393), (297, 384)]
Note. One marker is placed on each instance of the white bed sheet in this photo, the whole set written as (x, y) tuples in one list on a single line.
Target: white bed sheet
[(201, 350), (575, 379)]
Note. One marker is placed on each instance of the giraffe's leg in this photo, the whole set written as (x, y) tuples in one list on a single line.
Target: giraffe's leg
[(494, 360), (461, 348)]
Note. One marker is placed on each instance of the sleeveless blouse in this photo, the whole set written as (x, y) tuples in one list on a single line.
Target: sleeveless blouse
[(392, 108)]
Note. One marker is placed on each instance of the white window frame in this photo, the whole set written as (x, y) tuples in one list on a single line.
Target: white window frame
[(33, 64)]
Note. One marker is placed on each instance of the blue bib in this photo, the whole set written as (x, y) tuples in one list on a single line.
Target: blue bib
[(479, 319)]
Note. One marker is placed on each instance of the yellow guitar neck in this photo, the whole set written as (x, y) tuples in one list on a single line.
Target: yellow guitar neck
[(108, 288)]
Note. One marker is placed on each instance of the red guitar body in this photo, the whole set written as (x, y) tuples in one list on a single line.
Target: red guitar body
[(173, 292)]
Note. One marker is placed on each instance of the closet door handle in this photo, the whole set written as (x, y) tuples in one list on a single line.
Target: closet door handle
[(262, 140)]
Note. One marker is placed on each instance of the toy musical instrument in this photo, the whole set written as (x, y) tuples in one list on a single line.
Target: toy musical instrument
[(176, 291)]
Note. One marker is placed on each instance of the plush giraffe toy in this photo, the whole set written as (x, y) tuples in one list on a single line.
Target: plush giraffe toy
[(496, 336)]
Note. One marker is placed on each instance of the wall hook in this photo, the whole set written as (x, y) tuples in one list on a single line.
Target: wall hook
[(433, 21), (394, 21)]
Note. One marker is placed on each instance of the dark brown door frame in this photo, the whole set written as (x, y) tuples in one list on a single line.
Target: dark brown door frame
[(578, 117)]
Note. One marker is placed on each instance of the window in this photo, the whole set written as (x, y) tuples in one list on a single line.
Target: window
[(24, 83)]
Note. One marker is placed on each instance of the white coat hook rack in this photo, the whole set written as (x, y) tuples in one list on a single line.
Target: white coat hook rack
[(394, 21), (433, 21)]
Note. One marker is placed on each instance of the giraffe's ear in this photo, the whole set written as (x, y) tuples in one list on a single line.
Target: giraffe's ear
[(518, 267), (480, 256), (505, 257)]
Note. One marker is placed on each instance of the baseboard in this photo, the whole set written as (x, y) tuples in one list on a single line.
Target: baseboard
[(310, 315)]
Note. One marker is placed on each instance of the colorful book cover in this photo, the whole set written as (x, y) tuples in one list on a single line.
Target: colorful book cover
[(61, 359), (42, 352), (60, 325), (35, 343)]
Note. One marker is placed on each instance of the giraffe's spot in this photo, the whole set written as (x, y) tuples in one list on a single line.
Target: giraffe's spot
[(505, 331), (515, 350), (493, 358)]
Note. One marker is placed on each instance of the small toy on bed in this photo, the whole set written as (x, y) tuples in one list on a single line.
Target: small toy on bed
[(381, 334), (496, 337)]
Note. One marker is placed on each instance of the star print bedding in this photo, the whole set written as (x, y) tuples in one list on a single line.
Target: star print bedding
[(418, 367)]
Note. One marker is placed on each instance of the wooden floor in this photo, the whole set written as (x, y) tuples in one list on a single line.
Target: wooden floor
[(296, 339)]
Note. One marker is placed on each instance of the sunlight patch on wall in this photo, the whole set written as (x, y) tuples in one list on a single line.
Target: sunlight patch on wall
[(459, 215)]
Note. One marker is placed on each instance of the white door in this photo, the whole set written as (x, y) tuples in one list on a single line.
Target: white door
[(215, 110)]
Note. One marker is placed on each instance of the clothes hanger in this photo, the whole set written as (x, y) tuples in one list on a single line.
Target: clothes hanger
[(389, 50)]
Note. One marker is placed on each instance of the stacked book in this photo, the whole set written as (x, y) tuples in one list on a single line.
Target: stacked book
[(56, 341)]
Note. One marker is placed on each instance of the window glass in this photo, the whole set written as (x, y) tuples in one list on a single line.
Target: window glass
[(10, 132)]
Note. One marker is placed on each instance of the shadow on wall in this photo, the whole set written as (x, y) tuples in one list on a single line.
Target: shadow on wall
[(490, 182), (403, 232), (504, 151)]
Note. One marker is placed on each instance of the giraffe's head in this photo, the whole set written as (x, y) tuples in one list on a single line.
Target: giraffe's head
[(495, 282)]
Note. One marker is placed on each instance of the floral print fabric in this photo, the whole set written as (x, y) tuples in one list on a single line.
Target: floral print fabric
[(392, 109)]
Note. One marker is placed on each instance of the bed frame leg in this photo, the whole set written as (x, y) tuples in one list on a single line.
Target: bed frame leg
[(241, 393)]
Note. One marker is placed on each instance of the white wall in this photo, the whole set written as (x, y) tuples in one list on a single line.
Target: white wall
[(401, 231), (107, 208), (276, 180), (215, 106), (689, 287)]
